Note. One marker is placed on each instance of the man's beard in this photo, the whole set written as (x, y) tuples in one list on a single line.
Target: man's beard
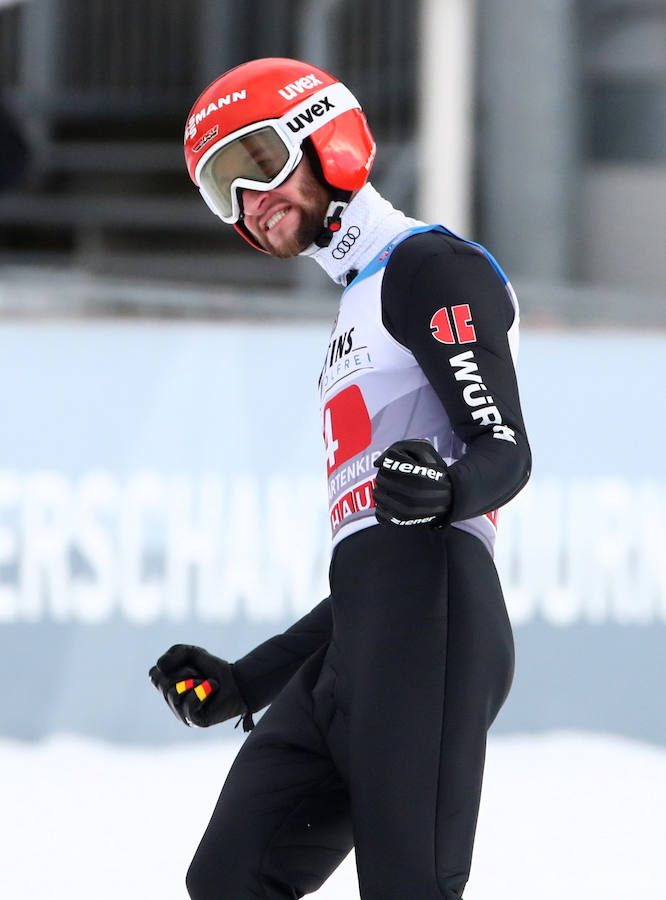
[(309, 228), (311, 222)]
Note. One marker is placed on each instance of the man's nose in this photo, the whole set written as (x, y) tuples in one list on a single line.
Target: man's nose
[(254, 201)]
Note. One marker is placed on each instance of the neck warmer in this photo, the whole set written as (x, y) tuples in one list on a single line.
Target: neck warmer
[(369, 223)]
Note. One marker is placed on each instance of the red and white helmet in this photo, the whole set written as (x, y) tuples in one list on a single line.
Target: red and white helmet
[(247, 128)]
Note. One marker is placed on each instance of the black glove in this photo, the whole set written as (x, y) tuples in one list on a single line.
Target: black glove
[(412, 485), (199, 688)]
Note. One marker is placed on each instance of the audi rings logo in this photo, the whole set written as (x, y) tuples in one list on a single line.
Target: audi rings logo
[(345, 244)]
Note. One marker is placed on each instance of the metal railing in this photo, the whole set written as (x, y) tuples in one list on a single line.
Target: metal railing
[(102, 90)]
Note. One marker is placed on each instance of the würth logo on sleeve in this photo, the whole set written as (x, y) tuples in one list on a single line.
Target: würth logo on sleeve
[(443, 330), (478, 399)]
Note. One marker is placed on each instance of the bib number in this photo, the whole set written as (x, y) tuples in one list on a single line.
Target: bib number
[(347, 427)]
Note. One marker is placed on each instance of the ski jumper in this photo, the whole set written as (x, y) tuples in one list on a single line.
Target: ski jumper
[(382, 696)]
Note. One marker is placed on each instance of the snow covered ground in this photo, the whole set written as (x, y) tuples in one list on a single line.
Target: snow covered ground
[(563, 815)]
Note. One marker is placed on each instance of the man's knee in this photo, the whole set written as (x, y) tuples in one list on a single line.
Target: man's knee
[(220, 873), (198, 880), (224, 875), (213, 876)]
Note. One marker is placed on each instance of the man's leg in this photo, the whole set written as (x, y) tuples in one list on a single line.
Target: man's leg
[(281, 825), (428, 657)]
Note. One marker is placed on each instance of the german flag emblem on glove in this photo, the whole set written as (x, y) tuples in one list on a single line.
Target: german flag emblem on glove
[(202, 690)]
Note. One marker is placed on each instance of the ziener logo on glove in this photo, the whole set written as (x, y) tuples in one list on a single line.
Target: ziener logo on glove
[(410, 468), (412, 521)]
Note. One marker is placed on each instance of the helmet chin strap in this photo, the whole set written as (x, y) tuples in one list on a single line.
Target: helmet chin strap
[(332, 221)]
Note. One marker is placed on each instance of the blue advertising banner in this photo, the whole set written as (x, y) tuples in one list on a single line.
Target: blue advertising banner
[(164, 482)]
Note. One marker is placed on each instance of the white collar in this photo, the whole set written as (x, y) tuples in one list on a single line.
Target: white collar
[(368, 225)]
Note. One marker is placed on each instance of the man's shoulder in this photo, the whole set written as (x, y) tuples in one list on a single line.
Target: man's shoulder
[(422, 245), (420, 248)]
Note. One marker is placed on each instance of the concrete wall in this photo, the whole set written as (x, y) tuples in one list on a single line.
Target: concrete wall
[(623, 227)]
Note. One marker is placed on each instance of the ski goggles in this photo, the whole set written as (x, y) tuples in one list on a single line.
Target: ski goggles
[(255, 158), (263, 155)]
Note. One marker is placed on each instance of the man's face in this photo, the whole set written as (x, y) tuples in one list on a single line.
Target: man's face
[(287, 219)]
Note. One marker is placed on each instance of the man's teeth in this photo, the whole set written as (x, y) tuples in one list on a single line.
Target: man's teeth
[(275, 218)]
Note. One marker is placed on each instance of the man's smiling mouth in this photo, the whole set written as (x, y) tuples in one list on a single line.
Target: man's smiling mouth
[(275, 218)]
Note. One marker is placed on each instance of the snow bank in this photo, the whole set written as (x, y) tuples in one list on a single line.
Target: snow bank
[(563, 814)]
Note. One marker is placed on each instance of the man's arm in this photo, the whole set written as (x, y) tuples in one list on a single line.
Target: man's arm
[(203, 690), (264, 671), (445, 302)]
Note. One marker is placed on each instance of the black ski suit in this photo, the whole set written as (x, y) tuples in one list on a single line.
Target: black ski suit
[(382, 696)]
